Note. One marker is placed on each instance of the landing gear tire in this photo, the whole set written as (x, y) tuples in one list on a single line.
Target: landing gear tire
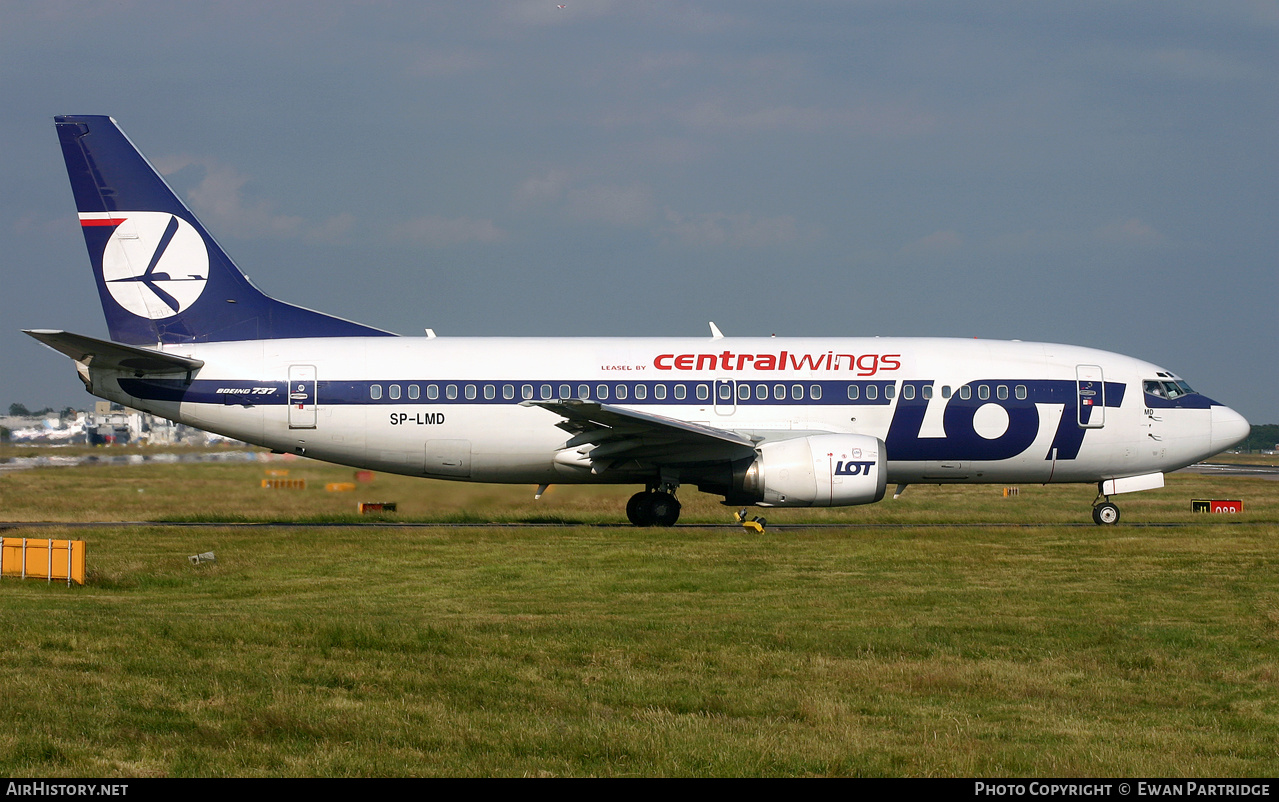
[(665, 509), (1105, 514), (639, 510), (653, 509)]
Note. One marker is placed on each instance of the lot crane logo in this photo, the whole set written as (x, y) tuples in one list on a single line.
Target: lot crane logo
[(155, 264)]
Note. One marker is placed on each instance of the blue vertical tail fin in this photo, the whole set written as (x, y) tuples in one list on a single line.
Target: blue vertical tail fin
[(161, 277)]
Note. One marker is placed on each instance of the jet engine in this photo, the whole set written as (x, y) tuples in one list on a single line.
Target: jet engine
[(821, 470)]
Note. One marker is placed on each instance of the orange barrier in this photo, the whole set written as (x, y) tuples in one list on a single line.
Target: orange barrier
[(284, 484), (48, 559)]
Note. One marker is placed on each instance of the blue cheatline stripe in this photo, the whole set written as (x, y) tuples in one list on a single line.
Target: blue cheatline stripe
[(903, 439), (832, 393)]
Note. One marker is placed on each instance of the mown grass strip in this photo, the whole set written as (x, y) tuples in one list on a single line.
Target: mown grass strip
[(975, 650)]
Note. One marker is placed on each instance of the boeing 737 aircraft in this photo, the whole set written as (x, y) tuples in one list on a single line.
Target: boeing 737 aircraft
[(774, 422)]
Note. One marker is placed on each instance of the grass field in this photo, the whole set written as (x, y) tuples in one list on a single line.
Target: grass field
[(980, 649)]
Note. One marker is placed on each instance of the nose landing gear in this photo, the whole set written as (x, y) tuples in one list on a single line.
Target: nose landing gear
[(1104, 512)]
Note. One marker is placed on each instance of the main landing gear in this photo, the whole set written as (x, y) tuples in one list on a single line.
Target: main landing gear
[(1104, 512), (653, 507)]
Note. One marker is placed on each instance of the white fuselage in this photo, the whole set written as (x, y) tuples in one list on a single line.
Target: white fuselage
[(948, 410)]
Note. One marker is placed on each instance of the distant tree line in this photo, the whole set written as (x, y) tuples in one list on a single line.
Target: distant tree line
[(1263, 438), (21, 411)]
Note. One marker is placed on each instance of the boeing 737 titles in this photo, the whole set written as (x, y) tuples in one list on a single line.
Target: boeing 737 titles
[(780, 422)]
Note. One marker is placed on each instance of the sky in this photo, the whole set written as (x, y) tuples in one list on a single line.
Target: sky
[(1096, 173)]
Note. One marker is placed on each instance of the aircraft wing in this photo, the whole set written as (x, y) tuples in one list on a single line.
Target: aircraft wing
[(610, 436), (104, 354)]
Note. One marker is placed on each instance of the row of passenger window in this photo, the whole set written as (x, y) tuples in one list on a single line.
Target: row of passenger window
[(620, 392), (926, 392), (640, 392)]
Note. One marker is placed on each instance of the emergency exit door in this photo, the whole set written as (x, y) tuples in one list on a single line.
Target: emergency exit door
[(725, 396), (302, 396)]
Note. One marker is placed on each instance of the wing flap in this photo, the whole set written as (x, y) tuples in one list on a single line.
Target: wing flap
[(624, 436)]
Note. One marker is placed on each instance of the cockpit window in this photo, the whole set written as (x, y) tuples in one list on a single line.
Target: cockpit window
[(1167, 389)]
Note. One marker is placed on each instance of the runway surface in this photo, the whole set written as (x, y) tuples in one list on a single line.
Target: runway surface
[(1233, 469)]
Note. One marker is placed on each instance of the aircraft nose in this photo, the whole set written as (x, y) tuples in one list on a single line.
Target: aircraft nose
[(1228, 428)]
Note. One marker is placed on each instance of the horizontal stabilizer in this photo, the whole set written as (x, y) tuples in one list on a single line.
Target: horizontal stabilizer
[(104, 354)]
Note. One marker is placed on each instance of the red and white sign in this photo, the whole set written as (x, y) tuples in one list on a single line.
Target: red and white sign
[(1216, 505)]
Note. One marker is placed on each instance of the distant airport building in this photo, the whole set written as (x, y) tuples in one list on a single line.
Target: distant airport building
[(110, 424), (106, 424)]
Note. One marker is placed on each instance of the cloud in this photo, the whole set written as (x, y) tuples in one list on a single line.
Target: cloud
[(555, 191), (219, 200), (633, 206), (546, 188), (618, 205), (877, 120), (1184, 65), (437, 63), (441, 232), (537, 12), (29, 222), (742, 230), (657, 62), (935, 244), (1129, 232)]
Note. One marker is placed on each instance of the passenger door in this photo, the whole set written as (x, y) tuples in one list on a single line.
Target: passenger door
[(1090, 396)]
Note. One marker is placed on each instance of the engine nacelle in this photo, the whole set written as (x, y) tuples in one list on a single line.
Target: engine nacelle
[(821, 470)]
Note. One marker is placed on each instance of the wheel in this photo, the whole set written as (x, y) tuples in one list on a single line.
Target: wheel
[(639, 510), (1105, 514), (665, 509)]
